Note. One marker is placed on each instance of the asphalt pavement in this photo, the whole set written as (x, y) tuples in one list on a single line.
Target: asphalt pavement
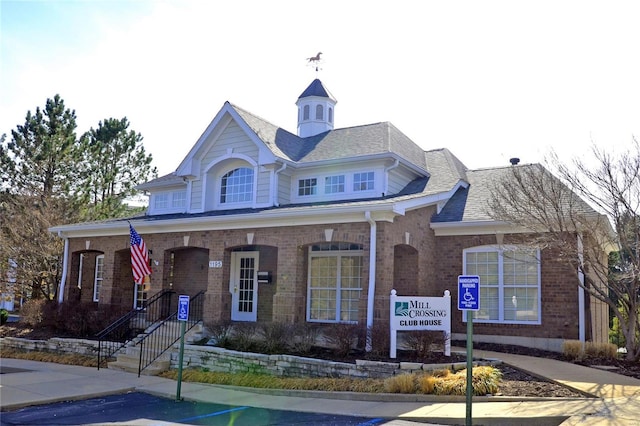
[(615, 401)]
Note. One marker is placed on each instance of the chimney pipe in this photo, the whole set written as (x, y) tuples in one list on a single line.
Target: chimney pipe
[(514, 161)]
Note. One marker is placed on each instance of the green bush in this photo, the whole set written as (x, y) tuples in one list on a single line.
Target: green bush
[(4, 316)]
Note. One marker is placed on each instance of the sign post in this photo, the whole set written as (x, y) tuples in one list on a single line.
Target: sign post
[(183, 317), (469, 301)]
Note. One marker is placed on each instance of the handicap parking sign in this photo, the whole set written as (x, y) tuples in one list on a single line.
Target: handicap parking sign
[(468, 292), (183, 307)]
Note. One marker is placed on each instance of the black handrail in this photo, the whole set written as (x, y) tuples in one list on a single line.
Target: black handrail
[(159, 338), (116, 335)]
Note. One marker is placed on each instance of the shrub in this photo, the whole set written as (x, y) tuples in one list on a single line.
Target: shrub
[(304, 337), (221, 332), (576, 350), (572, 349), (402, 383), (427, 384), (4, 316), (421, 341), (275, 336), (244, 337), (380, 340), (32, 312), (342, 337), (601, 350)]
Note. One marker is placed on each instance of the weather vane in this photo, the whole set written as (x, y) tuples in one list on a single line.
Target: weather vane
[(315, 61)]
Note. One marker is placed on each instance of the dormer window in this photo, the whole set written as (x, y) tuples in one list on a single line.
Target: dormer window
[(307, 187), (319, 112), (363, 181), (237, 186)]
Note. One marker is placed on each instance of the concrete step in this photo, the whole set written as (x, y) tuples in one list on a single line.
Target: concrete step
[(128, 358), (156, 367)]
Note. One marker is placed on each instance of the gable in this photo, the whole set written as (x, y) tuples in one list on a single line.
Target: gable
[(223, 133)]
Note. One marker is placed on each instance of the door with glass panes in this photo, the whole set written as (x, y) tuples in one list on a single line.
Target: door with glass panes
[(244, 286)]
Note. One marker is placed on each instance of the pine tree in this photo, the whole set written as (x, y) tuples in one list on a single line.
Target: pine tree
[(114, 162)]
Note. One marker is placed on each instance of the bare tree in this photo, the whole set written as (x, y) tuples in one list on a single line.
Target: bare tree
[(583, 211)]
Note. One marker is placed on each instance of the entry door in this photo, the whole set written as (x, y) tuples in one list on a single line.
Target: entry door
[(244, 286)]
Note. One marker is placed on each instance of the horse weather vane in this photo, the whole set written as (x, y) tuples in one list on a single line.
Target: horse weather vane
[(314, 61)]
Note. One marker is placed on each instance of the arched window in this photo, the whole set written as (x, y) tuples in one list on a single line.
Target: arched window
[(305, 112), (319, 112), (237, 186), (330, 115)]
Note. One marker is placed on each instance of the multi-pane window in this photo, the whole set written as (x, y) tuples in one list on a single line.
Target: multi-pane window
[(307, 186), (237, 186), (161, 201), (509, 284), (98, 277), (363, 181), (335, 282), (334, 184), (179, 199), (305, 113), (319, 112), (330, 115)]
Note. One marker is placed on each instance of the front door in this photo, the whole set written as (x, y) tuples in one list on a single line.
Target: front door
[(244, 286)]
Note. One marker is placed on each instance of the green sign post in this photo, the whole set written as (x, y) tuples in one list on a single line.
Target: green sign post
[(469, 301), (183, 317)]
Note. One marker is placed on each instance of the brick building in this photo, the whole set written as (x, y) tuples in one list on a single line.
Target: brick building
[(320, 226)]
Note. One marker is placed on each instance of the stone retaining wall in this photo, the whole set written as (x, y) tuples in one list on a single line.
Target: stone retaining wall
[(54, 345), (219, 359)]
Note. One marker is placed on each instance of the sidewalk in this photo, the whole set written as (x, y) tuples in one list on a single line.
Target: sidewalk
[(25, 383)]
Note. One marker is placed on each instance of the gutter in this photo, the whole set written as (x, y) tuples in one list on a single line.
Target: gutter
[(372, 279), (65, 261)]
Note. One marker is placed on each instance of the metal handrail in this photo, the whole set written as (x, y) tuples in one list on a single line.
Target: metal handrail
[(117, 334), (159, 338)]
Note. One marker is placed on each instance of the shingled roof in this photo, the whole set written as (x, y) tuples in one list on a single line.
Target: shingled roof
[(350, 142)]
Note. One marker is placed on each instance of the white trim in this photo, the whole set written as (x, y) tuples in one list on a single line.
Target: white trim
[(479, 227), (65, 261), (96, 286), (372, 279)]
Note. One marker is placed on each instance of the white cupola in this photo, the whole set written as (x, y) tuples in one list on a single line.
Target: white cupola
[(315, 110)]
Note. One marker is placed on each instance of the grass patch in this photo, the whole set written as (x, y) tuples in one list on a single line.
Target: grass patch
[(486, 380), (66, 359)]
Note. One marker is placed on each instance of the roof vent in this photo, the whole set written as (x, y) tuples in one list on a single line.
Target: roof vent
[(514, 161)]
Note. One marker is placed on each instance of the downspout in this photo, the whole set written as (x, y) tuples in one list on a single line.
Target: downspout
[(386, 176), (65, 261), (372, 279), (581, 298), (275, 185)]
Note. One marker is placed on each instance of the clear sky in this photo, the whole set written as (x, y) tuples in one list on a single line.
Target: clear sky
[(489, 80)]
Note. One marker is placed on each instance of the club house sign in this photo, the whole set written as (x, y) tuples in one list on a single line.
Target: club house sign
[(420, 313)]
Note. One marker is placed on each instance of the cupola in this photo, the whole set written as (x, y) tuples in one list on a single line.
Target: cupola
[(315, 110)]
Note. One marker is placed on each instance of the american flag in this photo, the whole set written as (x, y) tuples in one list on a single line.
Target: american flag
[(139, 257)]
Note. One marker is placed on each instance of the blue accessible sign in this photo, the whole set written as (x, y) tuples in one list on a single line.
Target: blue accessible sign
[(468, 292), (183, 307)]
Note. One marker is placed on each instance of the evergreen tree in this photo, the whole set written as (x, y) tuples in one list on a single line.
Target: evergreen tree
[(39, 170), (114, 163)]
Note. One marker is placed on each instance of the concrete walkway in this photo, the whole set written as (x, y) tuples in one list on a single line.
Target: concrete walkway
[(24, 383)]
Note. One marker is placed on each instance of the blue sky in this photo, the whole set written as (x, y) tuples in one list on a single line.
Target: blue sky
[(489, 80)]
